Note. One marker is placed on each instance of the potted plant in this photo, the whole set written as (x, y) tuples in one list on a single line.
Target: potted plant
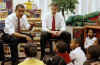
[(66, 5)]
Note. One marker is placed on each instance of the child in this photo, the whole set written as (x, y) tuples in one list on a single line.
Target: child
[(53, 59), (61, 51), (90, 39), (93, 55), (31, 52), (61, 57), (77, 55)]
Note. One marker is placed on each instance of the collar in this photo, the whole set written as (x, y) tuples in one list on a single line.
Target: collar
[(55, 14), (16, 16), (77, 48), (29, 58), (90, 38)]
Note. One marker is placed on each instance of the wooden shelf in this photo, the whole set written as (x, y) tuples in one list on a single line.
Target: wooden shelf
[(93, 27), (34, 19)]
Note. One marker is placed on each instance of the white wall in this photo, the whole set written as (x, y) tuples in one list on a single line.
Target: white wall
[(44, 5), (84, 6), (15, 2), (41, 4), (97, 5), (88, 6)]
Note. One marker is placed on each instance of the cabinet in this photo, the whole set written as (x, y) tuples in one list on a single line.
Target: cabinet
[(81, 32), (78, 33)]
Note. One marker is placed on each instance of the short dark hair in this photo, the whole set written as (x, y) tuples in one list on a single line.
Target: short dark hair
[(94, 51), (30, 51), (91, 30), (61, 46), (54, 4), (19, 5)]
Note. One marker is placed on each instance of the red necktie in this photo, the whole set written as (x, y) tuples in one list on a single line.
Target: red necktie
[(53, 26), (53, 23), (19, 26)]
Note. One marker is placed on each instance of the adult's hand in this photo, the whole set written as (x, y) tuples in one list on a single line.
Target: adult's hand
[(54, 33), (58, 33), (29, 39), (31, 27)]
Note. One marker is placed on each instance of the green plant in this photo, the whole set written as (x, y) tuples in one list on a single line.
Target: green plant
[(66, 5)]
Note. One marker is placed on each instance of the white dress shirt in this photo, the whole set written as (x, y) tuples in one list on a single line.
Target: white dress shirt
[(59, 22), (78, 56), (89, 42), (11, 23)]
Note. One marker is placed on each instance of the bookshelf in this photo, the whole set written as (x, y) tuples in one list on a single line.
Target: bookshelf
[(78, 33), (34, 18)]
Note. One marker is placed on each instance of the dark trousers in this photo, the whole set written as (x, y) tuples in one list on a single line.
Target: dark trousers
[(1, 52), (45, 36), (13, 44)]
